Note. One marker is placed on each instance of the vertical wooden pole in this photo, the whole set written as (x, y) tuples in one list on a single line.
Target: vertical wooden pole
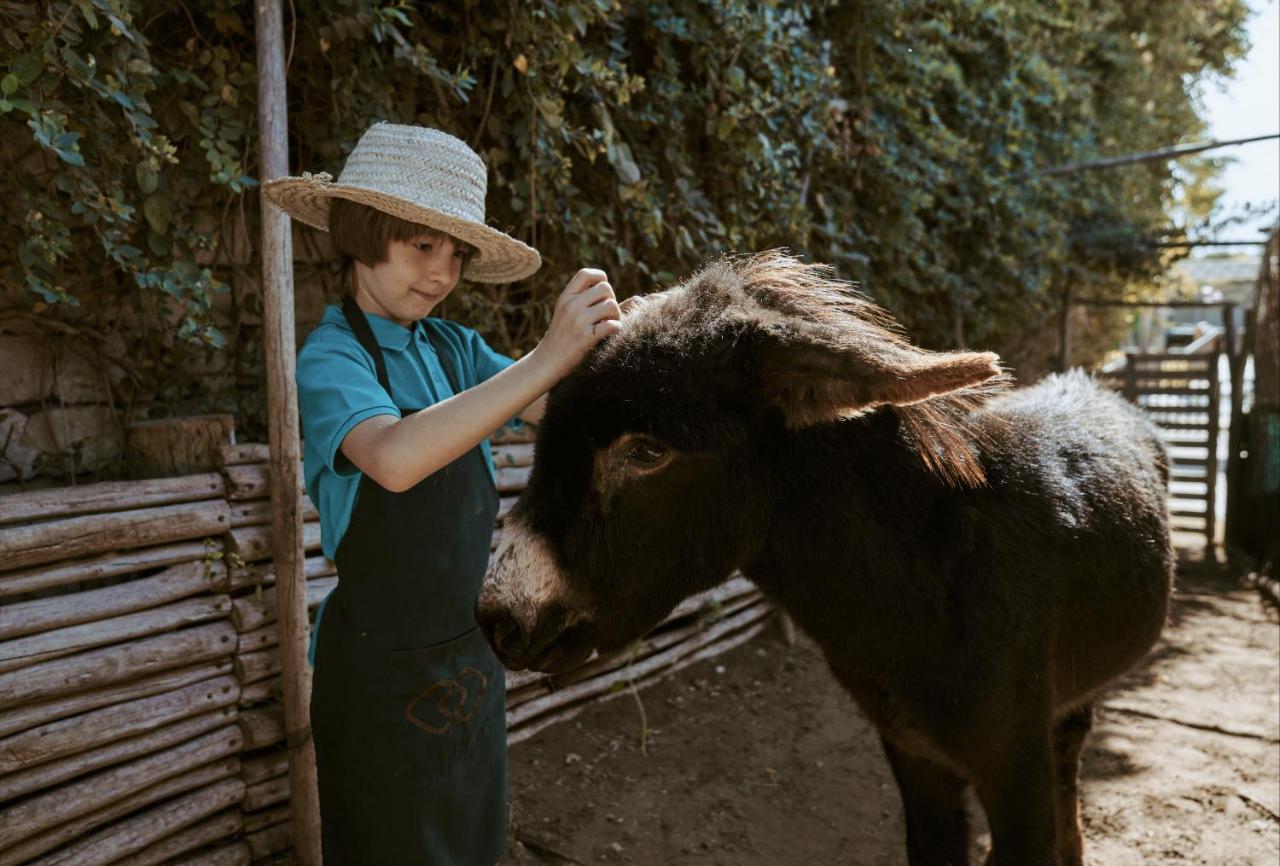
[(787, 626), (1235, 367), (282, 404), (1064, 332), (1211, 465)]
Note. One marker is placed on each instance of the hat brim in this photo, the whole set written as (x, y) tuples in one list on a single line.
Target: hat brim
[(499, 258)]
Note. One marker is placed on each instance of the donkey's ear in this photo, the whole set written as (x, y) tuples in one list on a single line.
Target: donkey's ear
[(816, 373)]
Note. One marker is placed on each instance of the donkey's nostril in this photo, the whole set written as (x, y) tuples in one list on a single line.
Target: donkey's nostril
[(504, 631), (508, 635)]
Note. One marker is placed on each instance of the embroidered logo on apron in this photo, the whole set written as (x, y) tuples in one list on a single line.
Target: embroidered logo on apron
[(453, 700)]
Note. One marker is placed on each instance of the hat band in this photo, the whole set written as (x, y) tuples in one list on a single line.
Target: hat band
[(452, 205)]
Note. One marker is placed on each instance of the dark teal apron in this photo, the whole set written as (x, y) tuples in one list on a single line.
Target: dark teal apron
[(408, 702)]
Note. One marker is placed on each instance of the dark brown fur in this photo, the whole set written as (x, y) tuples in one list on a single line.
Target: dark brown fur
[(976, 564)]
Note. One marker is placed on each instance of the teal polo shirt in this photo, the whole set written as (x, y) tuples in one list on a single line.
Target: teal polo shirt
[(338, 388)]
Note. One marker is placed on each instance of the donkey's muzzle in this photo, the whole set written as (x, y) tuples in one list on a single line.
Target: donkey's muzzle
[(550, 641)]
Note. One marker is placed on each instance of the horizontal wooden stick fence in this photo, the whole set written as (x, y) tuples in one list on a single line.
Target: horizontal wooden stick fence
[(140, 716)]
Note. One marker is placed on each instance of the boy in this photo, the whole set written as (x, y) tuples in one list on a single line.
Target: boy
[(408, 701)]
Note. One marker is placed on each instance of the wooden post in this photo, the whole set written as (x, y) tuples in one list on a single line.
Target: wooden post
[(282, 399), (1211, 465), (787, 626), (1064, 332), (1235, 367)]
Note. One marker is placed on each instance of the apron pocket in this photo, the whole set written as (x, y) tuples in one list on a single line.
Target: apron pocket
[(443, 698)]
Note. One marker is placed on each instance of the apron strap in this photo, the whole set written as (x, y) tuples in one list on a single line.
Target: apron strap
[(364, 333), (356, 319), (443, 356)]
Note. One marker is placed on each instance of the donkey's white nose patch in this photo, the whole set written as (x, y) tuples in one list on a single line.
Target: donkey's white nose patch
[(523, 575)]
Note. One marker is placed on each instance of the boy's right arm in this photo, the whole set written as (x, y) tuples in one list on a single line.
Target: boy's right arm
[(397, 453)]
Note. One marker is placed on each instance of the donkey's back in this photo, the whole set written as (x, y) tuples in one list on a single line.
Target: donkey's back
[(1096, 434), (1096, 459)]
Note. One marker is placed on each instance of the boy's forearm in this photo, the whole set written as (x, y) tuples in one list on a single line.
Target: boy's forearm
[(399, 453), (532, 414)]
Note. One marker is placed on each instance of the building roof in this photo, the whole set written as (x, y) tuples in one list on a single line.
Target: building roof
[(1221, 271)]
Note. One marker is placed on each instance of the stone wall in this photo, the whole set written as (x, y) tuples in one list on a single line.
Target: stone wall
[(56, 412)]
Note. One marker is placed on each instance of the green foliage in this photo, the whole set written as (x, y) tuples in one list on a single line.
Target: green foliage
[(954, 107), (901, 141), (98, 191)]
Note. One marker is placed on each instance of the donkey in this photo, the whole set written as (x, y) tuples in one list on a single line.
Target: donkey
[(976, 563)]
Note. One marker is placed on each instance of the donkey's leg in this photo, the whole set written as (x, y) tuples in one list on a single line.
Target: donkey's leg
[(1068, 741), (1017, 792), (933, 802)]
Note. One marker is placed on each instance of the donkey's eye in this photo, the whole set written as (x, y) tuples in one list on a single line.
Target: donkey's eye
[(646, 453)]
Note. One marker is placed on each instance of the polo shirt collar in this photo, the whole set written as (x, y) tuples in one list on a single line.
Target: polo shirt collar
[(388, 334)]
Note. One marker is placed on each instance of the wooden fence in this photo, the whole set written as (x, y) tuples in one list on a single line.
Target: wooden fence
[(1181, 394), (140, 720)]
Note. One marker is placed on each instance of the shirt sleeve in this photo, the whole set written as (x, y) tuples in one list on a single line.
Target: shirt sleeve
[(486, 362), (337, 389)]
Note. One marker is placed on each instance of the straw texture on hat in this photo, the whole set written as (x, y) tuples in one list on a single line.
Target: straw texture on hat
[(420, 175)]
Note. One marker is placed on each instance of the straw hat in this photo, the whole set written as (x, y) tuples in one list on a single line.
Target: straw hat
[(421, 175)]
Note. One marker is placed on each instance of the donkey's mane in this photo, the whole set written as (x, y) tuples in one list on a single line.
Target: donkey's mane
[(775, 286)]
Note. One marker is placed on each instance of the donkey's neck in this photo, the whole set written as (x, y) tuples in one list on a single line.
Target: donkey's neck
[(859, 526)]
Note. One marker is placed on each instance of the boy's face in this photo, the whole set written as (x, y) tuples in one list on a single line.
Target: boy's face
[(416, 275)]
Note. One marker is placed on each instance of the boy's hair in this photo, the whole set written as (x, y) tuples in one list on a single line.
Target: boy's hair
[(363, 234)]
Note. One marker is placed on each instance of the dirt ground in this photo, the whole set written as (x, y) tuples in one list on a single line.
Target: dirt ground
[(757, 757)]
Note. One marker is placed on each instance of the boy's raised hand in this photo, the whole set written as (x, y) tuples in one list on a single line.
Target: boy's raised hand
[(585, 314)]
